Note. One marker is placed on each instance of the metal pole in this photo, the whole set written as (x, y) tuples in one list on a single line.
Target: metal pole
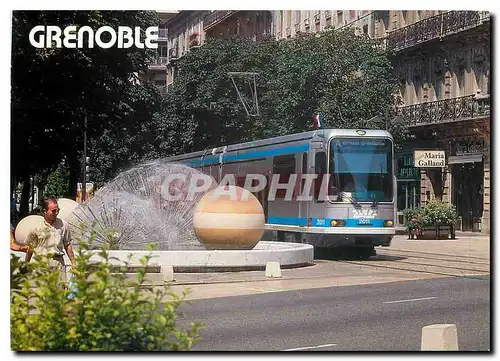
[(84, 162)]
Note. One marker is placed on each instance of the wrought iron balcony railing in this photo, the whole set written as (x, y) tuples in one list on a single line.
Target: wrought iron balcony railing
[(159, 61), (216, 17), (434, 27), (445, 111)]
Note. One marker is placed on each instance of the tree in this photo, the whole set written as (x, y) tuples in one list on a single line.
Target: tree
[(347, 77), (54, 89)]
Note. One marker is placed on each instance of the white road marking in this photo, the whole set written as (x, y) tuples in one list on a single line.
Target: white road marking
[(310, 347), (411, 300)]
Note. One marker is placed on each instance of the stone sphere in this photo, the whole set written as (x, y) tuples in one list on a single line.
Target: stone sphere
[(66, 206), (229, 217), (25, 226)]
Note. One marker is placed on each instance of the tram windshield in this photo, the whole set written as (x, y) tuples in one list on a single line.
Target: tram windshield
[(361, 170)]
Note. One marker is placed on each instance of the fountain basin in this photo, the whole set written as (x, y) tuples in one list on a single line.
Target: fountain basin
[(289, 255)]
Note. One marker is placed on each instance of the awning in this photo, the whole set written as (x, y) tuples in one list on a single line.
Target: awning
[(470, 158)]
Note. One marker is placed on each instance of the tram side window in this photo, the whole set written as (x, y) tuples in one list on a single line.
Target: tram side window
[(320, 170), (284, 165), (304, 171)]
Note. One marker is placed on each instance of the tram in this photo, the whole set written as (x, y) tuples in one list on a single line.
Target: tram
[(340, 185)]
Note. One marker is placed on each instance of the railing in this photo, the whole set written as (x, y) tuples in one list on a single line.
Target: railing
[(328, 14), (216, 17), (317, 18), (444, 111), (173, 53), (434, 27), (162, 90), (160, 61), (263, 36), (297, 28)]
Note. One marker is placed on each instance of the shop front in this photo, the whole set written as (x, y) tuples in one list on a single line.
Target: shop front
[(408, 185), (466, 165)]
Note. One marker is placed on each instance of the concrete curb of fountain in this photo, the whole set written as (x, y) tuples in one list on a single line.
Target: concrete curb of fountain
[(289, 255)]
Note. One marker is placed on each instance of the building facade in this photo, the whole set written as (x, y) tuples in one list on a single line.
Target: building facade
[(289, 23), (157, 70), (442, 59)]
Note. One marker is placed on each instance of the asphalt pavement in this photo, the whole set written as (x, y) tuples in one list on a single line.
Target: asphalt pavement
[(383, 317)]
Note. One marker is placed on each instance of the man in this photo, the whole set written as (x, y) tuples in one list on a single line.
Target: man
[(53, 238)]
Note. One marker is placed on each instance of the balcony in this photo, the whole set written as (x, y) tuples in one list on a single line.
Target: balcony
[(162, 90), (446, 111), (173, 54), (434, 27), (297, 28), (216, 17), (328, 14), (194, 40), (158, 63)]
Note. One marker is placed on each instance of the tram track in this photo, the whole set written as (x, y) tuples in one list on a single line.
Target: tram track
[(426, 262)]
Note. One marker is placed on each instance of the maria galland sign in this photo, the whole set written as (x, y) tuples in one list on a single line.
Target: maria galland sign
[(427, 158)]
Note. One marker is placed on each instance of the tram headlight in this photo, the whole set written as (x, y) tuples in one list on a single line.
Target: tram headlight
[(388, 223), (337, 223)]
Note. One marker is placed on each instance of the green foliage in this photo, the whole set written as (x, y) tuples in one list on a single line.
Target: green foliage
[(347, 77), (434, 213), (414, 218), (57, 183), (439, 213), (64, 85), (106, 311)]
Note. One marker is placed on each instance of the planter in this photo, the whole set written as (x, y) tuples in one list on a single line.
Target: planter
[(433, 232)]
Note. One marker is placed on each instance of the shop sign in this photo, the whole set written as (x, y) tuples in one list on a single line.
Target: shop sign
[(427, 158), (467, 147), (405, 169)]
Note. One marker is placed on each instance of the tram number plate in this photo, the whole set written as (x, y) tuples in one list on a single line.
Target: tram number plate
[(364, 221)]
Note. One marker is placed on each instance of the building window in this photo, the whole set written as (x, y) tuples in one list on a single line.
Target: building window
[(163, 51), (461, 82), (365, 29), (340, 17), (438, 87), (284, 165), (297, 16)]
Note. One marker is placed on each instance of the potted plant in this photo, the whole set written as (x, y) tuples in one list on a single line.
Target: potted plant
[(434, 221), (413, 217), (439, 220)]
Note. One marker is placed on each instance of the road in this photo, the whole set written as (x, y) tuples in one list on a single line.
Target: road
[(380, 317)]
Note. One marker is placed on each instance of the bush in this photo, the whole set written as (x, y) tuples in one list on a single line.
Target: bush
[(435, 213), (414, 218), (104, 312), (438, 214)]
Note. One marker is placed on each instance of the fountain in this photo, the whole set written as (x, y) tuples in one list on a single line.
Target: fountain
[(149, 204)]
